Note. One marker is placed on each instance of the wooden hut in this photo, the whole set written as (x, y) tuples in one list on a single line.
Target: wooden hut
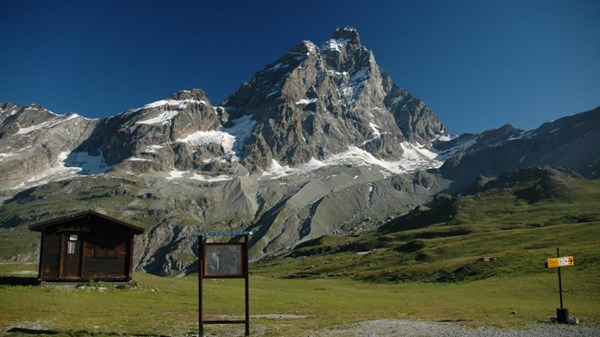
[(86, 246)]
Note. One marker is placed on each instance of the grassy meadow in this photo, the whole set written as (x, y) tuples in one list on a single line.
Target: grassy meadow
[(157, 306), (482, 266)]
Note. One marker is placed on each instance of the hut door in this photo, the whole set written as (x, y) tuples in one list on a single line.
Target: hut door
[(72, 256)]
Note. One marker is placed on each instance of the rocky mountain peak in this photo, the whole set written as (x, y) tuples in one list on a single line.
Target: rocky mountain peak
[(192, 94), (22, 120), (347, 33), (317, 102)]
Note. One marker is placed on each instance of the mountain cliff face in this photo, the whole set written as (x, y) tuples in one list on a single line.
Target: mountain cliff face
[(33, 140), (166, 135), (316, 101), (319, 142)]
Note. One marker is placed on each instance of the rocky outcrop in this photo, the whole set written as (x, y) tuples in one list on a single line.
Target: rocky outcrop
[(33, 140), (159, 136), (167, 249), (414, 118)]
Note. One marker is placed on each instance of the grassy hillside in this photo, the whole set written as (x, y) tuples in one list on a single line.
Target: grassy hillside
[(505, 228)]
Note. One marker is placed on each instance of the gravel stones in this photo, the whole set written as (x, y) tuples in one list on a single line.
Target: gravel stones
[(401, 328)]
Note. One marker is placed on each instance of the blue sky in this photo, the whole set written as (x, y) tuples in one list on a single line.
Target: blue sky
[(477, 64)]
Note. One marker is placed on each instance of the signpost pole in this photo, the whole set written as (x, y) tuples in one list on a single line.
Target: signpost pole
[(559, 280), (562, 313), (200, 269), (247, 285)]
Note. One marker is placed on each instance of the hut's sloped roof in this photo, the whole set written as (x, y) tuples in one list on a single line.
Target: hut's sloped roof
[(51, 222)]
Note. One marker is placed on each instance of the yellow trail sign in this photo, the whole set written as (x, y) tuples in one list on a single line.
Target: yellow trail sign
[(555, 262)]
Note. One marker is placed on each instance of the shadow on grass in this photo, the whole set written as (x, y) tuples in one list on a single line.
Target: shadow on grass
[(18, 281), (28, 331), (32, 331)]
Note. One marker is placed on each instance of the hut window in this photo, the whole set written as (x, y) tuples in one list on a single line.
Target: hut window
[(71, 247), (72, 244)]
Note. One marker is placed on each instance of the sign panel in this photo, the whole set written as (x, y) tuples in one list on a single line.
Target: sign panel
[(555, 262), (223, 260)]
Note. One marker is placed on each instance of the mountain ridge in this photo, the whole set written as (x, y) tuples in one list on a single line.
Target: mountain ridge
[(319, 142)]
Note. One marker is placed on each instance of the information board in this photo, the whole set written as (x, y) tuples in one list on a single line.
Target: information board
[(223, 260)]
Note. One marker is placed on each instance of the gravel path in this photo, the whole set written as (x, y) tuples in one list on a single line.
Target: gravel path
[(374, 328), (401, 328)]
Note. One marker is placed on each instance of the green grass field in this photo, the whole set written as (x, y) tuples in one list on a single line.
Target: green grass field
[(484, 266), (169, 306)]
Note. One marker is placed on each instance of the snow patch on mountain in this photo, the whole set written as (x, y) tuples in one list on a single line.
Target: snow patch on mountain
[(418, 157), (357, 83), (277, 66), (177, 174), (306, 101), (446, 154), (201, 177), (181, 104), (56, 173), (200, 138), (312, 48), (240, 130), (85, 163), (47, 124), (444, 138), (415, 157), (230, 138), (335, 44), (137, 159), (7, 155), (153, 148), (163, 118), (333, 73), (174, 107), (12, 113), (376, 129), (68, 165)]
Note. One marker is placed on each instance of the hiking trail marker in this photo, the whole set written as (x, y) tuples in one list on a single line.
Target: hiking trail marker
[(557, 262), (562, 314)]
